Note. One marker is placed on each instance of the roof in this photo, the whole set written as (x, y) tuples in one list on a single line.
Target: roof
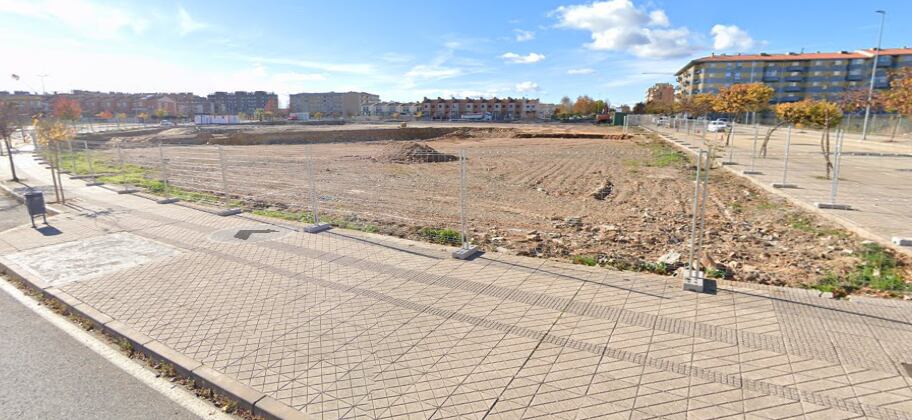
[(796, 56)]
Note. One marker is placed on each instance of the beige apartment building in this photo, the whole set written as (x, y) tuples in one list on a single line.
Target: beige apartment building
[(795, 76), (338, 104), (499, 109), (663, 93)]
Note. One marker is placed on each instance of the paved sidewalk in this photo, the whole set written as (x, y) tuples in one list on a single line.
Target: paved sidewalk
[(355, 325), (877, 187)]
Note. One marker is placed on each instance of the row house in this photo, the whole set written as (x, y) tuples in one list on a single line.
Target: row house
[(386, 109), (500, 109)]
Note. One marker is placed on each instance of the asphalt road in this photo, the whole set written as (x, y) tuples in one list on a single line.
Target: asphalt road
[(47, 374)]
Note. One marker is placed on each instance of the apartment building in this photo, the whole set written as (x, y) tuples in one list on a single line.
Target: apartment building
[(337, 104), (27, 103), (233, 103), (501, 109), (794, 76), (663, 93)]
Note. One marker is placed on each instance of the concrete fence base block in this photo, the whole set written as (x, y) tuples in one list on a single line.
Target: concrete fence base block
[(465, 253), (751, 173), (902, 241), (781, 185), (317, 228), (833, 206), (228, 212), (167, 200), (729, 163), (81, 177), (94, 184), (128, 191), (63, 172)]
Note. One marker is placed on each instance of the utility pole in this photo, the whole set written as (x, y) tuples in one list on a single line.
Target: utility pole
[(42, 76), (864, 129)]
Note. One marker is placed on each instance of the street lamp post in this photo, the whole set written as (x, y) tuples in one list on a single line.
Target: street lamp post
[(864, 129)]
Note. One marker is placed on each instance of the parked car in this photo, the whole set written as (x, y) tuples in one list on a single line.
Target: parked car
[(717, 126), (661, 121), (166, 123)]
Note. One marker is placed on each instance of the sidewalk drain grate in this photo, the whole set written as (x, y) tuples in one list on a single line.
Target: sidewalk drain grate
[(908, 367)]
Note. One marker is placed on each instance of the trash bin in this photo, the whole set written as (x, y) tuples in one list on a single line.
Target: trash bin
[(34, 203)]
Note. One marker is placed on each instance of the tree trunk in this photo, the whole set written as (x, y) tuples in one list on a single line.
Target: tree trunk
[(895, 128), (53, 160), (729, 136), (9, 152), (766, 139), (825, 148)]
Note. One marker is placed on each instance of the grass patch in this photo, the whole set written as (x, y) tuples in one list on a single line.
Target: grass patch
[(440, 236), (664, 156), (878, 270), (294, 216), (585, 260), (307, 217), (805, 224)]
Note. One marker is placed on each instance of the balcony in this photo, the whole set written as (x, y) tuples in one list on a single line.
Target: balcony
[(793, 88), (854, 77), (794, 78), (794, 68), (770, 77)]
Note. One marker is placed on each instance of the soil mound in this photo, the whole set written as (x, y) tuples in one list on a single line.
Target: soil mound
[(411, 152)]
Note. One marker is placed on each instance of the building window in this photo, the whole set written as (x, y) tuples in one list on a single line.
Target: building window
[(837, 63), (837, 73)]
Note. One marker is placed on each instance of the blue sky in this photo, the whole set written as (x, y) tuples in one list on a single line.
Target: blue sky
[(407, 50)]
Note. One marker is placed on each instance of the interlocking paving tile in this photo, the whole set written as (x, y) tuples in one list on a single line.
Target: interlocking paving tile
[(350, 325)]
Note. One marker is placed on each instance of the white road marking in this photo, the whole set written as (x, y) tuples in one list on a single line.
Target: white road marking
[(172, 391)]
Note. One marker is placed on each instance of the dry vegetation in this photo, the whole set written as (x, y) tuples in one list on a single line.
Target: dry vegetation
[(616, 202)]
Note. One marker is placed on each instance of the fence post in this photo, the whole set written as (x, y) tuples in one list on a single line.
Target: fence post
[(166, 185), (834, 185), (72, 156), (753, 170), (125, 187), (467, 250), (785, 162), (229, 211), (694, 280), (316, 226), (92, 175)]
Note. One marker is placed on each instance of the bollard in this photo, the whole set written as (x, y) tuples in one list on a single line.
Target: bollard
[(753, 170), (785, 163), (834, 185), (466, 251)]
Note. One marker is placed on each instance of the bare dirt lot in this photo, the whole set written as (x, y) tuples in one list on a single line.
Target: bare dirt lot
[(622, 203)]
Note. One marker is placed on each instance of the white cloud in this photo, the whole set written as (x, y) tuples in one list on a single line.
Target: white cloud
[(527, 87), (187, 24), (298, 77), (86, 18), (731, 37), (353, 68), (581, 71), (619, 25), (432, 72), (522, 36), (523, 59)]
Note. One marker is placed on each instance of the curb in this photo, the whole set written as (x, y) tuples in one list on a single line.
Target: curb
[(247, 398), (845, 223), (20, 198)]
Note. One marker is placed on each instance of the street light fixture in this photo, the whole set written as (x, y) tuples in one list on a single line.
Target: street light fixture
[(864, 129)]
